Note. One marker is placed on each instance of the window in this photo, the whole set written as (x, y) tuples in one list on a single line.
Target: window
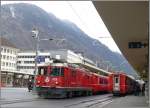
[(4, 50), (57, 71), (32, 67), (42, 70), (116, 80), (7, 50), (18, 61), (101, 81), (25, 62), (28, 62), (7, 57), (87, 77), (73, 73), (6, 63), (128, 81), (1, 49), (105, 81), (15, 52), (4, 56), (3, 63)]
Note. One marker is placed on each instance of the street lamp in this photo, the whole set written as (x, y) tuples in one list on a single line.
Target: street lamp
[(36, 36)]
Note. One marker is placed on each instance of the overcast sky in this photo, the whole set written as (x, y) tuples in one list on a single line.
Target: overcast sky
[(82, 13)]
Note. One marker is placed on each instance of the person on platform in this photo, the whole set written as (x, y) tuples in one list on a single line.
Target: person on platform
[(143, 89), (30, 85)]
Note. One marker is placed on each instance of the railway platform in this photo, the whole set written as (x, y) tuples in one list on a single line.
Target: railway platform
[(129, 101), (21, 98)]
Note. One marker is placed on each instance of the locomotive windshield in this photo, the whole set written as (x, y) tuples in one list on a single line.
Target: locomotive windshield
[(42, 71), (57, 71)]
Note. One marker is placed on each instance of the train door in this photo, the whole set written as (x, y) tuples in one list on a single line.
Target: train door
[(73, 77), (116, 83), (67, 77), (110, 83)]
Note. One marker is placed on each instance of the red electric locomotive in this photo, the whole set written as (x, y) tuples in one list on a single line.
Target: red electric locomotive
[(123, 84), (60, 81)]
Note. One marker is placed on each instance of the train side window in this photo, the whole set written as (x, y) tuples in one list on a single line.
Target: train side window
[(116, 80), (62, 71), (57, 71), (73, 73), (42, 71), (101, 81), (87, 77), (104, 81)]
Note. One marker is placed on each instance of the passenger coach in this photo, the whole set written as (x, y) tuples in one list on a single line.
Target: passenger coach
[(123, 84)]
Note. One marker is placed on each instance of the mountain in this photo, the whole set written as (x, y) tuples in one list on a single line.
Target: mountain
[(17, 21)]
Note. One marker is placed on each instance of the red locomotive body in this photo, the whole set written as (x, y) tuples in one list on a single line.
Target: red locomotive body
[(66, 81), (123, 84)]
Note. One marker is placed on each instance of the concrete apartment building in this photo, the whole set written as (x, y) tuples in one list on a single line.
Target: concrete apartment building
[(8, 63), (10, 75)]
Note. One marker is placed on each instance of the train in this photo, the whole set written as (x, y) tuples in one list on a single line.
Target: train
[(123, 84), (60, 80)]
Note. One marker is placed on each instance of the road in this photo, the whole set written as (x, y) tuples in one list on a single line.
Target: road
[(21, 98)]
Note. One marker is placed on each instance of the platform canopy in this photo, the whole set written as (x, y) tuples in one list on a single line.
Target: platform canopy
[(94, 69), (127, 22)]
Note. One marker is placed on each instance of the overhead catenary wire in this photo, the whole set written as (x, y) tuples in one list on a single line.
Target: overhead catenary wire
[(83, 23)]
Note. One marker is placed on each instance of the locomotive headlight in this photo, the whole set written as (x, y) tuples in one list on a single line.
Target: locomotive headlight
[(56, 82)]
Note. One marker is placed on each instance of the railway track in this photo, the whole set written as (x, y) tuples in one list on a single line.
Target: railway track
[(3, 102), (90, 103), (81, 103)]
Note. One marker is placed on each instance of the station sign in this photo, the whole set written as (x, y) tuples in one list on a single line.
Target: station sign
[(133, 45), (40, 59)]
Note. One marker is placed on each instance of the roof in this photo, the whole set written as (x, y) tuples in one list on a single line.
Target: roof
[(127, 21), (6, 42)]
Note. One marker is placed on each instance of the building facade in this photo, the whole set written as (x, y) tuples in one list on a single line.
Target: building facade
[(26, 60), (8, 62), (10, 75)]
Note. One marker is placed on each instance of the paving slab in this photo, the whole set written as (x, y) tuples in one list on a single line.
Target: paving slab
[(129, 101)]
